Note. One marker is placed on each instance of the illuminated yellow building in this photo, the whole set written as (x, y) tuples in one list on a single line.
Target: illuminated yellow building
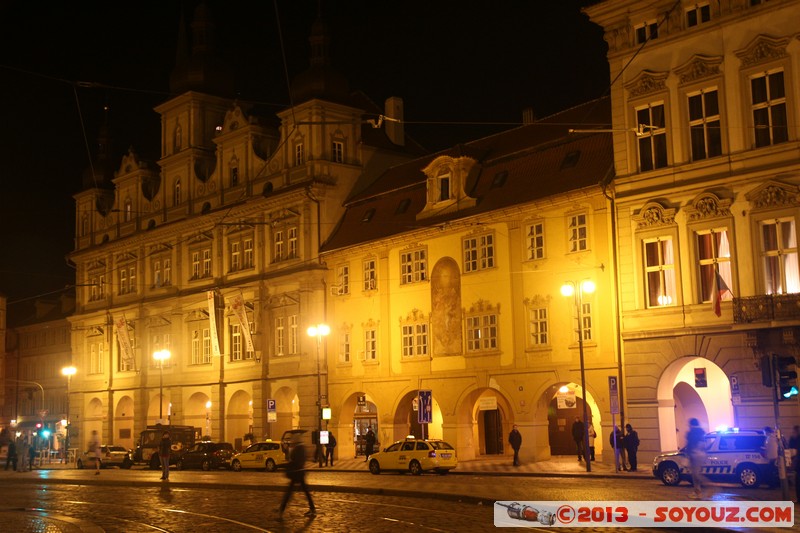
[(705, 128)]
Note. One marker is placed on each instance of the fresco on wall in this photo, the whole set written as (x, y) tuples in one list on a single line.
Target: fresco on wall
[(446, 307)]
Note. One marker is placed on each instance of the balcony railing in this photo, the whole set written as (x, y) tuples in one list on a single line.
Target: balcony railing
[(766, 307)]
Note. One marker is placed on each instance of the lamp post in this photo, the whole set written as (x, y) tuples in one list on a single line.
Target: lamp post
[(319, 331), (68, 371), (577, 289), (161, 356)]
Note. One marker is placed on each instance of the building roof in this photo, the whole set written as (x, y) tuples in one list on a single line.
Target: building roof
[(515, 167)]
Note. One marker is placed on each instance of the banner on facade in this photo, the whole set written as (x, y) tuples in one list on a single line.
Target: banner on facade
[(212, 319), (125, 346), (240, 312)]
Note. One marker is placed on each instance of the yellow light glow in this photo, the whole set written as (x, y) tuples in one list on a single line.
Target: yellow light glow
[(563, 389), (567, 289), (69, 370), (162, 355), (320, 330)]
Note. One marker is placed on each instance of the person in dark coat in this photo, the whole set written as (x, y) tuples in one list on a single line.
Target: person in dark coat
[(370, 440), (577, 435), (631, 443), (11, 456), (616, 439), (296, 472), (515, 440), (329, 448), (164, 449), (695, 448)]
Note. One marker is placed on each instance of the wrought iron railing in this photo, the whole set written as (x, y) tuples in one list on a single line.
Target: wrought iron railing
[(766, 307)]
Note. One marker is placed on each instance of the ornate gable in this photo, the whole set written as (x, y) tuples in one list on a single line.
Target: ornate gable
[(708, 205), (654, 214), (763, 49), (697, 68), (647, 82), (774, 194)]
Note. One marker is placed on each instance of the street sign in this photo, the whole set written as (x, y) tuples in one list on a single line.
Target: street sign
[(362, 400), (425, 413), (613, 394), (736, 397), (272, 413)]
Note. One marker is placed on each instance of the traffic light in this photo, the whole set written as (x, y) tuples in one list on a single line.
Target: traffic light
[(787, 376)]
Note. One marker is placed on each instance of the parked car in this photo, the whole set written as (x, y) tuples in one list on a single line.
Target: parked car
[(415, 456), (267, 455), (109, 456), (207, 455), (734, 456)]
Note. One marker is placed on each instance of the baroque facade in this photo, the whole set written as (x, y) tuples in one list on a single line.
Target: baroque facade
[(705, 129)]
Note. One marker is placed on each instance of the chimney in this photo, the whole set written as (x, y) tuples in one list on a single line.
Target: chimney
[(394, 123), (528, 117)]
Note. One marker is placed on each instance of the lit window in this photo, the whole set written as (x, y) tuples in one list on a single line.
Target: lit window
[(415, 339), (713, 258), (478, 253), (280, 335), (769, 108), (128, 210), (779, 256), (535, 236), (248, 253), (177, 198), (370, 275), (235, 256), (344, 347), (578, 233), (370, 345), (652, 137), (293, 334), (659, 265), (207, 263), (704, 124), (343, 279), (292, 232), (167, 272), (195, 265), (337, 151), (481, 332), (413, 266), (278, 245)]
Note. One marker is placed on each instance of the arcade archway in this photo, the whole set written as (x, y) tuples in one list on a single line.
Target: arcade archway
[(564, 402)]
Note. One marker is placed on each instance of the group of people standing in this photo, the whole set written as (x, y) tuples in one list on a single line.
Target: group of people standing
[(21, 455)]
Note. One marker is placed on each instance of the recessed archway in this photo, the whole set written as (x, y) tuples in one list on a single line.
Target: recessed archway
[(239, 418), (123, 423)]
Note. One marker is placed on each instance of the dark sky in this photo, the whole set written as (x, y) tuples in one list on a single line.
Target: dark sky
[(451, 61)]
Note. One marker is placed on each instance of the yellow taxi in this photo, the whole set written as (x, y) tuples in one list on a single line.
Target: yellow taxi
[(415, 456), (267, 455)]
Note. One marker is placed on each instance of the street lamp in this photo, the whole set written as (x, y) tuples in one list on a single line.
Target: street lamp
[(68, 371), (319, 331), (577, 290), (161, 356)]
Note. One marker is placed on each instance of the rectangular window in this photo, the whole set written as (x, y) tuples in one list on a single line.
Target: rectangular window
[(195, 265), (167, 272), (197, 347), (235, 257), (343, 279), (414, 339), (207, 263), (704, 125), (713, 258), (779, 257), (101, 288), (370, 275), (413, 266), (123, 281), (698, 14), (481, 332), (539, 327), (769, 108), (659, 266), (478, 253), (280, 335), (370, 345), (278, 245), (132, 279), (236, 343), (578, 233), (206, 356), (158, 276), (248, 254), (645, 31), (536, 241), (337, 151), (344, 350), (651, 137), (96, 354), (299, 154), (293, 332), (586, 319), (292, 233)]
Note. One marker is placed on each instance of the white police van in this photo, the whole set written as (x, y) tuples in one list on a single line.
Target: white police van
[(734, 455)]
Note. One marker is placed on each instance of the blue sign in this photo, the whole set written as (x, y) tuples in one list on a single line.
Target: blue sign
[(425, 407)]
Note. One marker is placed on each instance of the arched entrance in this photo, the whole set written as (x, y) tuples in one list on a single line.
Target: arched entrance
[(197, 414), (406, 419), (681, 396), (287, 411), (365, 417), (490, 419), (123, 423), (153, 410), (564, 402), (93, 421), (239, 418)]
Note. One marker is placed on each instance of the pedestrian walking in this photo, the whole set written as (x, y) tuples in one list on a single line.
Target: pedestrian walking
[(696, 449), (592, 436), (296, 472), (515, 440), (370, 440), (329, 448), (577, 435), (770, 451), (23, 453), (631, 443), (164, 450), (11, 454), (94, 449), (32, 454), (616, 439)]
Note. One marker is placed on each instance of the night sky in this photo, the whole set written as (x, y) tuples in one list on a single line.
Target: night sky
[(475, 62)]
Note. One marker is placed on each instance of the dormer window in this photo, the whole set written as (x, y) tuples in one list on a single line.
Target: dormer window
[(128, 210), (444, 185), (445, 181), (177, 198), (299, 154)]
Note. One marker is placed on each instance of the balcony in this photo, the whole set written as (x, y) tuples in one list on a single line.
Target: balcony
[(766, 308)]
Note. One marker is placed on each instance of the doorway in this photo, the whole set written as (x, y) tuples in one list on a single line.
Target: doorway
[(493, 432)]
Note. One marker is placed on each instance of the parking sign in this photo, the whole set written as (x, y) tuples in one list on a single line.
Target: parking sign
[(425, 410)]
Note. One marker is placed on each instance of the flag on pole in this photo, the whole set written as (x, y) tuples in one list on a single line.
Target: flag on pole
[(212, 319), (244, 324), (718, 292)]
